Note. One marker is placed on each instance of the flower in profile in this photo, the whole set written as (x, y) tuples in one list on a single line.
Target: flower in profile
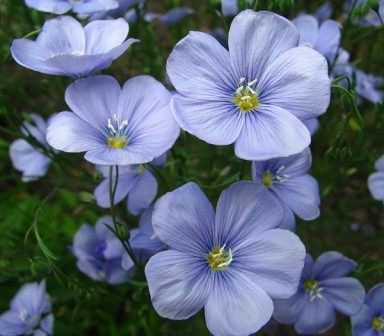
[(115, 126), (287, 179), (369, 321), (29, 313), (99, 253), (28, 159), (77, 6), (233, 263), (143, 241), (369, 86), (136, 182), (323, 289), (376, 180), (324, 37), (65, 48), (256, 94)]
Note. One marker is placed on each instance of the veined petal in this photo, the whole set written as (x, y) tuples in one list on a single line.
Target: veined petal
[(115, 274), (375, 299), (308, 267), (69, 133), (49, 6), (94, 100), (345, 294), (199, 68), (244, 210), (85, 242), (298, 82), (11, 324), (331, 265), (362, 322), (376, 185), (184, 219), (273, 260), (236, 305), (103, 155), (328, 40), (62, 35), (120, 49), (317, 317), (104, 35), (271, 132), (288, 311), (302, 195), (179, 284), (143, 193), (308, 27), (216, 122), (256, 39)]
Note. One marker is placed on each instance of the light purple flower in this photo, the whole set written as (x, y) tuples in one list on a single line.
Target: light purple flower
[(29, 313), (323, 289), (287, 179), (256, 94), (324, 12), (143, 241), (99, 253), (123, 6), (231, 7), (376, 180), (135, 182), (30, 160), (324, 37), (65, 48), (114, 125), (367, 86), (232, 263), (77, 6), (369, 321)]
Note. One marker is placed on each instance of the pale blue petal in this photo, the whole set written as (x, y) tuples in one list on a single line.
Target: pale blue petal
[(37, 130), (298, 82), (271, 132), (126, 262), (376, 185), (244, 210), (88, 7), (104, 35), (288, 311), (302, 196), (312, 125), (379, 164), (308, 27), (308, 268), (332, 265), (289, 221), (273, 260), (199, 68), (345, 294), (119, 50), (362, 322), (85, 242), (143, 193), (11, 325), (256, 39), (46, 325), (179, 284), (115, 274), (92, 268), (102, 230), (229, 7), (49, 6), (236, 305), (184, 219), (375, 298), (175, 15), (69, 133), (317, 317), (216, 122), (328, 40)]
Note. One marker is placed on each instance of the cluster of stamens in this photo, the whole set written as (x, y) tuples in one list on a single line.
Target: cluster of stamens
[(245, 96), (269, 179), (378, 323), (117, 137), (26, 317), (219, 259), (313, 289)]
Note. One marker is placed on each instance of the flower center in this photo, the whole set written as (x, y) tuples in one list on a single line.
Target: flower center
[(219, 259), (269, 179), (313, 289), (378, 323), (117, 137), (27, 318), (245, 96)]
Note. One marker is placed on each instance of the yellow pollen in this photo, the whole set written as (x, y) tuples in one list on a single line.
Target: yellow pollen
[(219, 259), (246, 99), (117, 142), (267, 181), (378, 323), (310, 285)]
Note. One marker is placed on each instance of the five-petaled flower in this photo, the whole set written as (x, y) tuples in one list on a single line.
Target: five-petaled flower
[(233, 263)]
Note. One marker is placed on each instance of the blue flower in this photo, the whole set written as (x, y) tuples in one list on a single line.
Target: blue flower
[(256, 94), (324, 38), (288, 181), (369, 321), (99, 253), (143, 241), (231, 7), (324, 288), (65, 48), (376, 180), (115, 126), (368, 86), (135, 182), (29, 313), (30, 160), (172, 16), (77, 6), (232, 263)]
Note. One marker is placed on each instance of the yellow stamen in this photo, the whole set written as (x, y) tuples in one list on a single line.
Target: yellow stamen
[(219, 259)]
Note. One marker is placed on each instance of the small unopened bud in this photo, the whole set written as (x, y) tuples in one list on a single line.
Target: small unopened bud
[(86, 197), (122, 231)]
